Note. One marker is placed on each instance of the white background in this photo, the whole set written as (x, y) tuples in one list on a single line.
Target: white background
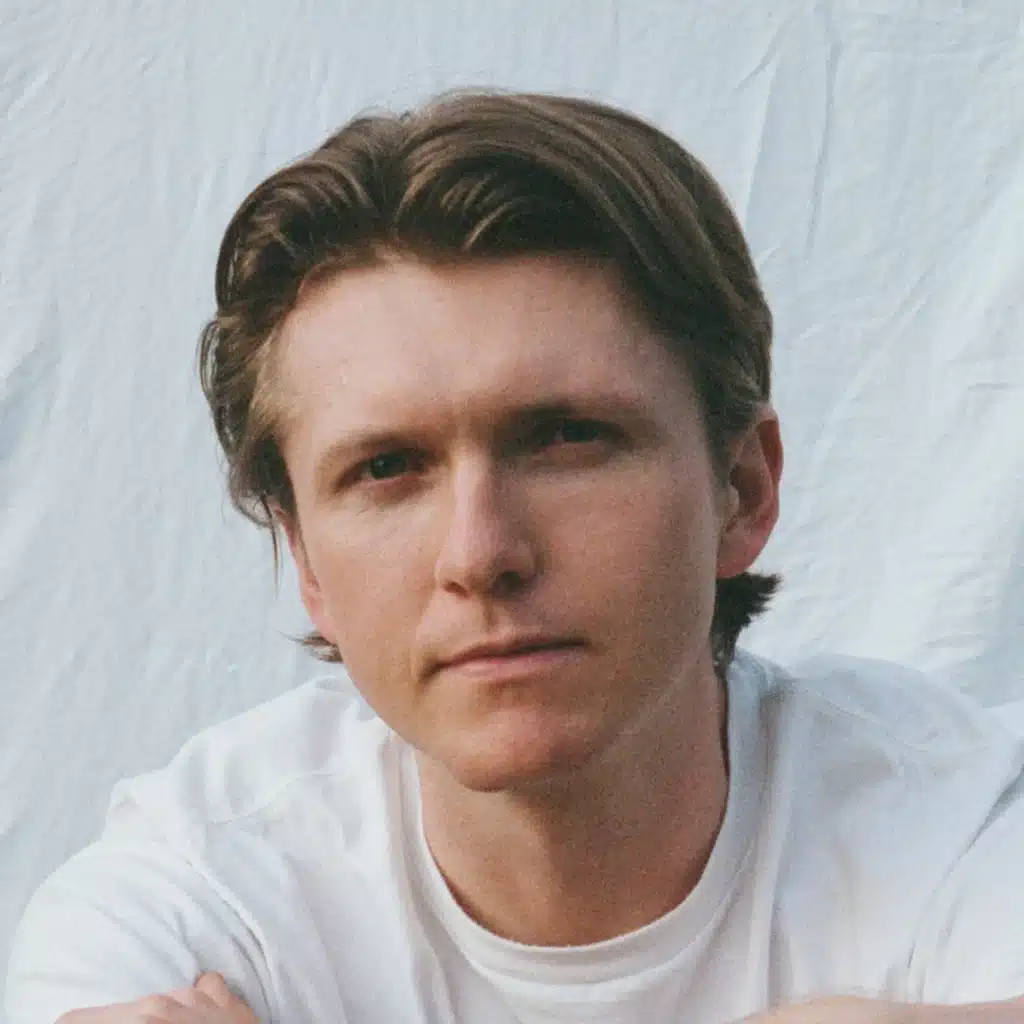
[(874, 150)]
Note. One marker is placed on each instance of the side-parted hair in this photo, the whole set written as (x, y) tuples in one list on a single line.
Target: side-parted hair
[(483, 175)]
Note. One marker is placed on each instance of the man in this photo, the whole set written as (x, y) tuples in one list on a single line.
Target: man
[(499, 369)]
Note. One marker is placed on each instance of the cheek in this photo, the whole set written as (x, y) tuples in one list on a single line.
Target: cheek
[(654, 551), (372, 588)]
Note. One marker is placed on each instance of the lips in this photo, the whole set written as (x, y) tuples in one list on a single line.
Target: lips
[(507, 650)]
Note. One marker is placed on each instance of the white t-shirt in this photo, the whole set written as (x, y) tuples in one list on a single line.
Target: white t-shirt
[(873, 843)]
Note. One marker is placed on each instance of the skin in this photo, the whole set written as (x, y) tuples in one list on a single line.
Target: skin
[(870, 1011), (209, 1001)]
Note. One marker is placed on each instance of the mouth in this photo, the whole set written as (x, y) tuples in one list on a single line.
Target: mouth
[(505, 661)]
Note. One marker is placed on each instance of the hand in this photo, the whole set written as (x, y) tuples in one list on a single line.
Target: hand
[(210, 1001), (850, 1010)]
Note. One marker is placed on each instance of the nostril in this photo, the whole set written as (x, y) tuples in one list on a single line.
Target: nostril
[(509, 582)]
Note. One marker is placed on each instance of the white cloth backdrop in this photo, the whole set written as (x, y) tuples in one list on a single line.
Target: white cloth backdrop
[(875, 152)]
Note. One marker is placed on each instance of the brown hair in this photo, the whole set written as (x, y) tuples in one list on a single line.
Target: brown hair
[(484, 174)]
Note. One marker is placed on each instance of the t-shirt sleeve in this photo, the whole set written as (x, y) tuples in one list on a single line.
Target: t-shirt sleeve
[(120, 921), (971, 945)]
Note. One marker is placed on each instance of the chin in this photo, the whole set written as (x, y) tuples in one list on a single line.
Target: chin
[(523, 758)]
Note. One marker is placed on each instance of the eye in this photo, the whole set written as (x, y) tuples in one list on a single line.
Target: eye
[(582, 431), (389, 465), (569, 432)]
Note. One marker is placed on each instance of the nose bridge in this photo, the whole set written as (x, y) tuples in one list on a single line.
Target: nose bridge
[(483, 537)]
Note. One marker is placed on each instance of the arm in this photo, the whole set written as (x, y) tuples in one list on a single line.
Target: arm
[(210, 1001), (871, 1011), (121, 921)]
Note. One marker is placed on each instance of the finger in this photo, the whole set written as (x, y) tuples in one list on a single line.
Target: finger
[(216, 988), (159, 1009), (213, 985), (192, 994), (194, 999)]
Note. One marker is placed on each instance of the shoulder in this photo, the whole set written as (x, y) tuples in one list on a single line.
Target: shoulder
[(238, 768), (178, 880), (849, 739), (879, 705), (885, 745), (122, 920)]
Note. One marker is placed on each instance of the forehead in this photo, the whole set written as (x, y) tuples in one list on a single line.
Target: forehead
[(409, 340)]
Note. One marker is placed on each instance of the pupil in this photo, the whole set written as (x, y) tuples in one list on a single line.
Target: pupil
[(383, 466), (578, 432)]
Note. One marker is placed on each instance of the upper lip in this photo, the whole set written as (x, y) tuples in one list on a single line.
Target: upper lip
[(504, 647)]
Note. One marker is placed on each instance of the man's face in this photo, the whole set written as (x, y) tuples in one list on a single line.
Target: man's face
[(499, 456)]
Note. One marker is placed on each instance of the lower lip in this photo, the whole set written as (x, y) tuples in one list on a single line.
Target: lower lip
[(511, 667)]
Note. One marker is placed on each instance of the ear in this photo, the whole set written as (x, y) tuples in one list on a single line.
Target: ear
[(751, 503), (309, 585)]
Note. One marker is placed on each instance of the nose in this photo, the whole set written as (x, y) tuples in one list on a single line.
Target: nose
[(487, 547)]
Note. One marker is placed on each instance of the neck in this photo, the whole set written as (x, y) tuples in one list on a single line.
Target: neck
[(589, 858)]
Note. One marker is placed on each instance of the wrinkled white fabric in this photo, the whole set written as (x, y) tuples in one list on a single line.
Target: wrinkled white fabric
[(872, 843)]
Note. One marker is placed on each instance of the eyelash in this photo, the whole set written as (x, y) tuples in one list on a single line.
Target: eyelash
[(601, 431), (364, 469), (538, 437)]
